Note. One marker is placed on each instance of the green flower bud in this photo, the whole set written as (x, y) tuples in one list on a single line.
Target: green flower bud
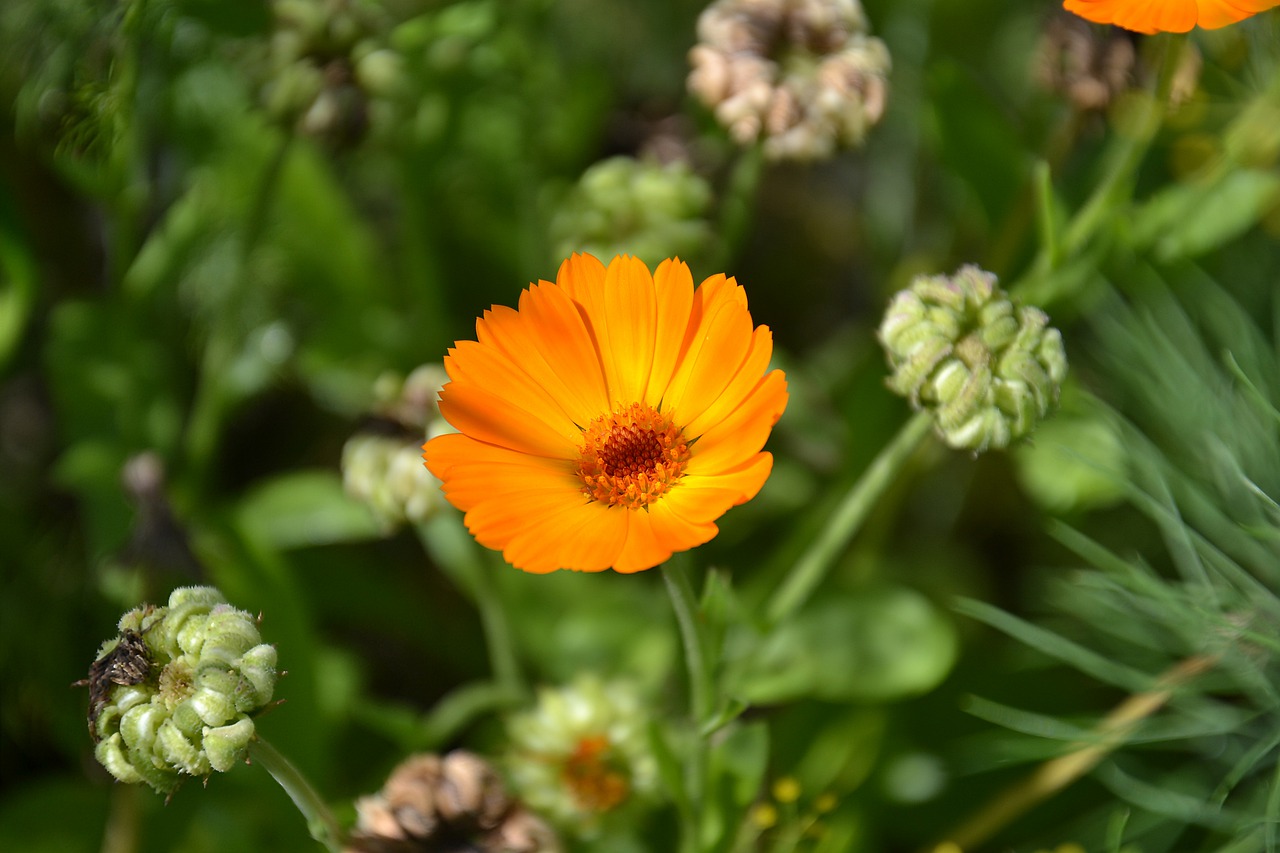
[(388, 475), (958, 346), (173, 695), (628, 206)]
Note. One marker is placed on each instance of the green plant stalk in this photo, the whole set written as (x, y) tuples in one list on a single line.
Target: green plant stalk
[(211, 402), (320, 820), (1052, 776), (1128, 153), (847, 519), (121, 832), (453, 549), (701, 699), (739, 202)]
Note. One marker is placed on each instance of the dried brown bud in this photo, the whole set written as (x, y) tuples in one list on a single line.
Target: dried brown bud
[(430, 803), (802, 76)]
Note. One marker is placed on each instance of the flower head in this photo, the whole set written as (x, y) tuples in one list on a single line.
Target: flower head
[(1167, 16), (173, 694), (582, 753), (802, 75), (986, 368), (382, 467), (432, 802), (610, 420)]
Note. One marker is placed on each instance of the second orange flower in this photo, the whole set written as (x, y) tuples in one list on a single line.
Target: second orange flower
[(611, 419), (1167, 16)]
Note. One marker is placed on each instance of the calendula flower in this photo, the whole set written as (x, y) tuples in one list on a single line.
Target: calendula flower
[(583, 753), (1167, 16), (611, 419)]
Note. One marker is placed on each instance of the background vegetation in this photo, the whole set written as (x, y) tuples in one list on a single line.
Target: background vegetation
[(199, 264)]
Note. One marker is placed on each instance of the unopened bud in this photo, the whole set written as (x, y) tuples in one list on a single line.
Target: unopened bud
[(173, 695), (958, 346)]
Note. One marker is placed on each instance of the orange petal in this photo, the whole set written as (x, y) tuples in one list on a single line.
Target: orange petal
[(642, 550), (716, 349), (725, 341), (1215, 14), (490, 417), (597, 537), (561, 334), (703, 499), (673, 286), (495, 523), (581, 276), (746, 379), (490, 368), (1144, 16), (445, 452), (475, 483), (736, 438), (676, 532), (625, 330), (550, 361)]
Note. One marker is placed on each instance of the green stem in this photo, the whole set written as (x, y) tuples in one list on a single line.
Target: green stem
[(212, 399), (320, 821), (1128, 154), (453, 549), (847, 519), (701, 699), (739, 202)]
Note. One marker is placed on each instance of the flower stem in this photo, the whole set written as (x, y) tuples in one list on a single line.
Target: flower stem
[(453, 549), (1130, 151), (847, 519), (320, 821), (739, 202), (701, 698), (1054, 775)]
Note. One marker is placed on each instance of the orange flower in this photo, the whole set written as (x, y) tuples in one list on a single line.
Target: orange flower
[(610, 420), (1169, 16)]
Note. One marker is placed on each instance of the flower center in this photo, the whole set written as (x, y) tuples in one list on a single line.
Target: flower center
[(177, 682), (632, 457), (595, 783)]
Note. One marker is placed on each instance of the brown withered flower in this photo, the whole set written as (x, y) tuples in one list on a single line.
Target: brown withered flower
[(451, 804), (803, 76)]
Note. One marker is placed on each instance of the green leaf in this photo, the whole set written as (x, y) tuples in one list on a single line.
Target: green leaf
[(17, 293), (739, 759), (1056, 646), (1074, 463), (878, 645), (305, 508), (1188, 220), (842, 753)]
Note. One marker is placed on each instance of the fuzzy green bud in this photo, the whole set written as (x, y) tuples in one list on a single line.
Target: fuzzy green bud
[(173, 695), (387, 474), (988, 369), (623, 205)]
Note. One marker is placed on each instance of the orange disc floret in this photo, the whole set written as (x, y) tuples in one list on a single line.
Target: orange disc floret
[(591, 777), (1171, 16), (609, 419)]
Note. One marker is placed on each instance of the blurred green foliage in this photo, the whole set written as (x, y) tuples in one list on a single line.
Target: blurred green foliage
[(221, 222)]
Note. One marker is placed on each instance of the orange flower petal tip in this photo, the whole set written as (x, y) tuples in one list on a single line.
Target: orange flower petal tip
[(609, 420), (1167, 16)]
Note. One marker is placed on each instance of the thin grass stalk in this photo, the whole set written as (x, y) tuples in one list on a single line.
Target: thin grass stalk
[(1055, 775)]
